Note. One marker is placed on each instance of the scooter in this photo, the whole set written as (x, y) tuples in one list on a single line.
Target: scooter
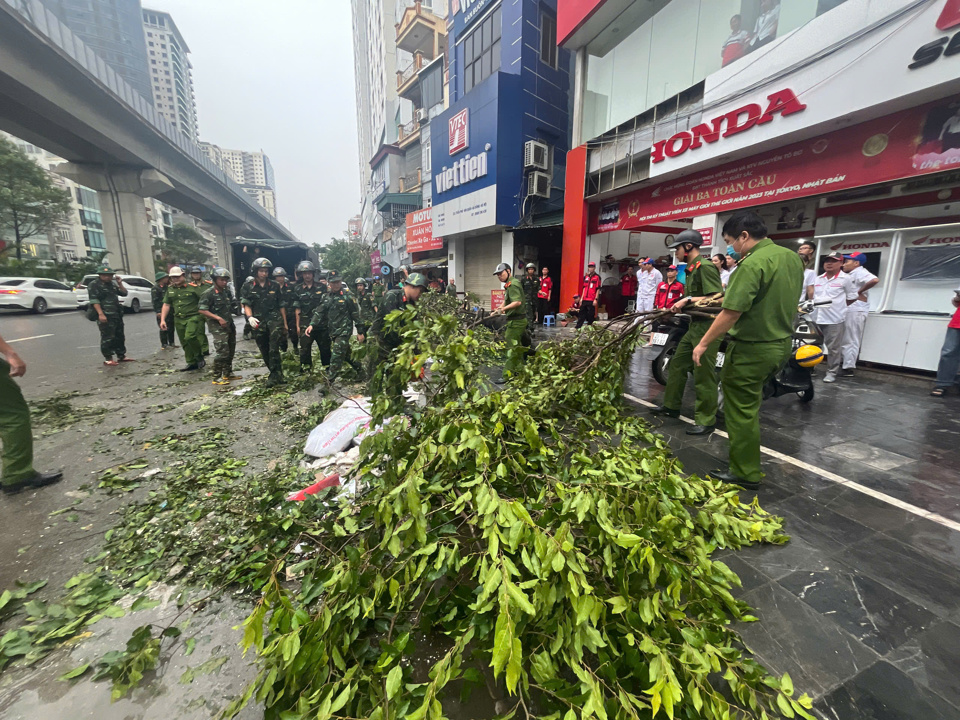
[(793, 377), (667, 336)]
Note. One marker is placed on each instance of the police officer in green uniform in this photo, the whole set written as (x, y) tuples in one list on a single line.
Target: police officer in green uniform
[(183, 299), (388, 340), (200, 286), (515, 310), (264, 306), (307, 296), (703, 279), (531, 286), (216, 305), (339, 312), (105, 293), (759, 310), (16, 436), (157, 292)]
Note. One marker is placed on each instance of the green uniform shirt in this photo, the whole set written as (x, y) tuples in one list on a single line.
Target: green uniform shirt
[(156, 295), (264, 300), (107, 296), (185, 300), (367, 313), (514, 293), (765, 289), (218, 302), (306, 300), (703, 279), (394, 299), (339, 313), (531, 285)]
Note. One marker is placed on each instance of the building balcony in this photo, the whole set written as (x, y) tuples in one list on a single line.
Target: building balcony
[(411, 182), (421, 31), (408, 84), (408, 133), (393, 207)]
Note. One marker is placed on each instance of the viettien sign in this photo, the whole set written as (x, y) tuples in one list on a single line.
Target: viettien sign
[(894, 147), (463, 171), (420, 232), (742, 119)]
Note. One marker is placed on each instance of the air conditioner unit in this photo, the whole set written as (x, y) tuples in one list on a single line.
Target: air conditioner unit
[(536, 155), (538, 185), (421, 116)]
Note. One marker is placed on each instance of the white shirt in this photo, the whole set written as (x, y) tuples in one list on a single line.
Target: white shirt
[(725, 276), (860, 277), (766, 26), (838, 290), (647, 283), (809, 278)]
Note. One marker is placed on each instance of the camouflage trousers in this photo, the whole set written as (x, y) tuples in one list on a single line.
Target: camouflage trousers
[(340, 354), (268, 337), (225, 344), (112, 340), (382, 381)]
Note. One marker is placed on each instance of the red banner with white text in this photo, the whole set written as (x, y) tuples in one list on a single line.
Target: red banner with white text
[(420, 232), (918, 141)]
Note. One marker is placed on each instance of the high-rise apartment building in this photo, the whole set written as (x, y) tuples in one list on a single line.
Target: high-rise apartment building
[(113, 29), (171, 74), (252, 171)]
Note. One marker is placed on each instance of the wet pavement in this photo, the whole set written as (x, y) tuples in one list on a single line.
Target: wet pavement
[(862, 607)]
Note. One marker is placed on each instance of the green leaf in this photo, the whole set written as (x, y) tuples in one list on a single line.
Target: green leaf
[(75, 673), (394, 679), (786, 684), (114, 611), (189, 645), (143, 603)]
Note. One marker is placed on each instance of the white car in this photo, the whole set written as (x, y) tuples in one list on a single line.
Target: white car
[(36, 294), (138, 292)]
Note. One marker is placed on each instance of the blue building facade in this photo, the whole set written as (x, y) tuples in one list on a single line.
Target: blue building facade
[(508, 85)]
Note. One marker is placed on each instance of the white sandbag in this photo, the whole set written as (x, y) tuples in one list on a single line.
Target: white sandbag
[(338, 429)]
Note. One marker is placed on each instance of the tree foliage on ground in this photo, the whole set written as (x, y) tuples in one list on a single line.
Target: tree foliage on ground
[(535, 544), (350, 258), (182, 245), (30, 203)]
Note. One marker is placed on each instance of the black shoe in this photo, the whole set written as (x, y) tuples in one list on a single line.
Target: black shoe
[(665, 411), (207, 354), (728, 477), (847, 372), (701, 429), (203, 363), (271, 381), (281, 380), (188, 368), (38, 480)]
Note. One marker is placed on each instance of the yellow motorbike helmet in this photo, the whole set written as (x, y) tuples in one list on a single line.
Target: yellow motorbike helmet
[(808, 356)]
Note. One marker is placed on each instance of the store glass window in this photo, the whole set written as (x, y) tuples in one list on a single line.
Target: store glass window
[(928, 277), (655, 50), (481, 51)]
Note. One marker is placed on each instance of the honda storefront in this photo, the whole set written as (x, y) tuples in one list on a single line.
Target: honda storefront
[(838, 121)]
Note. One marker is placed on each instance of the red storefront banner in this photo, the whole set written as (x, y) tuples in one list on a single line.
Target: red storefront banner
[(376, 260), (918, 141), (420, 232), (496, 299), (707, 235)]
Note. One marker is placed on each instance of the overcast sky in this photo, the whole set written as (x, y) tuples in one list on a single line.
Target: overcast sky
[(277, 75)]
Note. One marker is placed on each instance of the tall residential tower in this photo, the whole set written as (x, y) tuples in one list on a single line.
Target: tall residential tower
[(171, 74)]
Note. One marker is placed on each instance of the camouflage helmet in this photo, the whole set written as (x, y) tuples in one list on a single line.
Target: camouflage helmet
[(105, 269), (360, 281), (279, 272), (306, 266), (416, 279), (531, 266), (220, 273), (160, 276), (197, 269), (261, 262), (333, 276)]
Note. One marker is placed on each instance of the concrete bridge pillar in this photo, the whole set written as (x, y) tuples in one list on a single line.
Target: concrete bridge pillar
[(125, 225)]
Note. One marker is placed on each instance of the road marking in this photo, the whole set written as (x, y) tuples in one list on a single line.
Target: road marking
[(35, 337), (832, 477)]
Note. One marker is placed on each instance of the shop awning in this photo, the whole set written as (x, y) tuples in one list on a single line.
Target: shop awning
[(430, 263), (550, 219)]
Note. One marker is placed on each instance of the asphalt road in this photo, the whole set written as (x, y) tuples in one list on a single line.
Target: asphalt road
[(62, 349)]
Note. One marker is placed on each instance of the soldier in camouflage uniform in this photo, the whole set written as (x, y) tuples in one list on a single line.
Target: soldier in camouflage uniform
[(216, 304), (105, 293), (377, 292), (247, 330), (307, 296), (388, 341), (531, 286), (167, 339), (264, 306), (182, 298), (365, 301), (200, 285), (339, 312)]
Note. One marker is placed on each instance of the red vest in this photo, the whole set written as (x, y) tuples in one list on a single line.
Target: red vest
[(667, 294), (590, 288)]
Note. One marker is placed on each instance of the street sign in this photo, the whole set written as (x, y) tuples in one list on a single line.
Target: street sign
[(385, 270)]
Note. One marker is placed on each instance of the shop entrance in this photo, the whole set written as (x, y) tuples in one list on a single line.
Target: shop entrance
[(544, 248)]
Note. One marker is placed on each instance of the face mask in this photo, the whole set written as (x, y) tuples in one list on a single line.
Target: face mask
[(733, 253)]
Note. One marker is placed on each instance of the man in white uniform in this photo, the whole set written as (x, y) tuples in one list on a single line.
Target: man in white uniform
[(647, 280), (837, 287), (856, 320)]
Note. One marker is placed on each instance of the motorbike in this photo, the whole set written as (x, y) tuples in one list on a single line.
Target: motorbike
[(791, 378)]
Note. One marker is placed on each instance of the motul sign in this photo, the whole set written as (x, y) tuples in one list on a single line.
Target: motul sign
[(742, 119)]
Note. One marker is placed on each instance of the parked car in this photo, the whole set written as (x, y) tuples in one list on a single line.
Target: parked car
[(36, 294), (138, 292)]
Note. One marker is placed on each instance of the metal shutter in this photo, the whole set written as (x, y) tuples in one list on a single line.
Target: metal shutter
[(481, 256)]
